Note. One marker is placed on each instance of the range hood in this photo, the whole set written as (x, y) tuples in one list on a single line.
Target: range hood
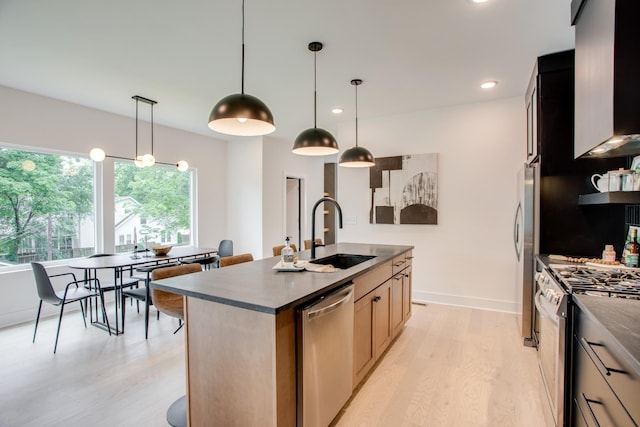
[(607, 83)]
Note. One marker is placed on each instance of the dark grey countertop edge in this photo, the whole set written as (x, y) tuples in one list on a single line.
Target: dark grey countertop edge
[(257, 307), (358, 271), (630, 353)]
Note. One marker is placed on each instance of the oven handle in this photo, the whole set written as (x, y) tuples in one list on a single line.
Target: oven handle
[(543, 311)]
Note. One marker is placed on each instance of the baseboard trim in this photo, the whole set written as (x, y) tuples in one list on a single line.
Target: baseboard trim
[(465, 301)]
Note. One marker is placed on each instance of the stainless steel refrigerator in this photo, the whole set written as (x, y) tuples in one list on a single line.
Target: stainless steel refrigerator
[(525, 240)]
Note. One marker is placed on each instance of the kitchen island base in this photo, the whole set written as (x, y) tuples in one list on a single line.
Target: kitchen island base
[(240, 366)]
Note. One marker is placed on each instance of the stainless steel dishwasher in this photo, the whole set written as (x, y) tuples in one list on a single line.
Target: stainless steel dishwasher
[(325, 357)]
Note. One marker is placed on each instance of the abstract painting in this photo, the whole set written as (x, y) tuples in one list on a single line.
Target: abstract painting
[(404, 190)]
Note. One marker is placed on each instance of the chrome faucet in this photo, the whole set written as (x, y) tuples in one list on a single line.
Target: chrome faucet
[(313, 221)]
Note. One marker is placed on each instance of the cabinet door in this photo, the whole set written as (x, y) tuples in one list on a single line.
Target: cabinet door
[(363, 352), (594, 398), (532, 120), (397, 303), (406, 291), (382, 318)]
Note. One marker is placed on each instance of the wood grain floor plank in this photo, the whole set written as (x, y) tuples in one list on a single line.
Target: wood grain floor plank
[(450, 366)]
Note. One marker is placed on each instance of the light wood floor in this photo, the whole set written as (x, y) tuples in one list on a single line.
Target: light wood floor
[(450, 367)]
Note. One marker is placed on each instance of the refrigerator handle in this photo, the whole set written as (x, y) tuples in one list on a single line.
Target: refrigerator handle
[(516, 230)]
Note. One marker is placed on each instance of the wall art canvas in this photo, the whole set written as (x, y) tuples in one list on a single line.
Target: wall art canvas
[(404, 190)]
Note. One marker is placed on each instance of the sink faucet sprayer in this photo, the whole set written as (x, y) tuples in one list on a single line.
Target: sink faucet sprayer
[(313, 221)]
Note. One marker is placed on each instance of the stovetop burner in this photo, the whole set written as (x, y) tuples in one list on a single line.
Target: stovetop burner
[(604, 281)]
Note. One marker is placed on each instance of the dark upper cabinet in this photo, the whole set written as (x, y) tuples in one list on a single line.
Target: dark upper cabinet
[(607, 97), (565, 227)]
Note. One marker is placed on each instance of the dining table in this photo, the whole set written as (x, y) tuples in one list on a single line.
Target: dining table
[(123, 262)]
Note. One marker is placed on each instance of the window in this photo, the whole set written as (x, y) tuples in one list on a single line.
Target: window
[(46, 207), (153, 205)]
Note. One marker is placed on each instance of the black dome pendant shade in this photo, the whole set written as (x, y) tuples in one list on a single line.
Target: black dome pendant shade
[(315, 141), (357, 157), (241, 114)]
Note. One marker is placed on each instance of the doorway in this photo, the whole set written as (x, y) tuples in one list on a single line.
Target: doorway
[(293, 214)]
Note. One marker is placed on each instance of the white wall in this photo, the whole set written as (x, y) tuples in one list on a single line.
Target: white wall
[(278, 163), (30, 120), (244, 195), (468, 258)]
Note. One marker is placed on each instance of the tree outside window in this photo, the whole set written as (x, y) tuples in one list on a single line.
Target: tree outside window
[(46, 207), (153, 204)]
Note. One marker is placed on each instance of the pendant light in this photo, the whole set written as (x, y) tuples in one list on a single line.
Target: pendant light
[(357, 157), (141, 161), (315, 141), (241, 114)]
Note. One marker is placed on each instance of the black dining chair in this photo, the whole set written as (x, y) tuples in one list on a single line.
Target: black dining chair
[(48, 294), (143, 294)]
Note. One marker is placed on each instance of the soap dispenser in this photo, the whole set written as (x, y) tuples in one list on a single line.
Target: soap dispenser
[(287, 254)]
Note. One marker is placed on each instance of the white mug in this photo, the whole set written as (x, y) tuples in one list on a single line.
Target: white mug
[(610, 181), (601, 181)]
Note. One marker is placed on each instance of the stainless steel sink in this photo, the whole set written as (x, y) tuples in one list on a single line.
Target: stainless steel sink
[(343, 261)]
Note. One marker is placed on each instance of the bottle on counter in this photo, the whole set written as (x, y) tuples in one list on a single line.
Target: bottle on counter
[(287, 254), (609, 254), (632, 250)]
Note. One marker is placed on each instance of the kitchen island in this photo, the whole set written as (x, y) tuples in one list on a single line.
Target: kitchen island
[(241, 330)]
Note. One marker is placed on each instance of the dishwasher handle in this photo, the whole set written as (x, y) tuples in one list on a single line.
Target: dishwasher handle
[(342, 298)]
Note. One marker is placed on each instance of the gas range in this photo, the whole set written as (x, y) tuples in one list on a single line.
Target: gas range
[(616, 282)]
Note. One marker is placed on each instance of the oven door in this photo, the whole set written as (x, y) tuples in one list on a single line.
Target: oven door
[(552, 335)]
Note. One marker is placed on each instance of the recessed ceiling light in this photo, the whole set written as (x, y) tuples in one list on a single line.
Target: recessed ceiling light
[(337, 110), (489, 85), (478, 1)]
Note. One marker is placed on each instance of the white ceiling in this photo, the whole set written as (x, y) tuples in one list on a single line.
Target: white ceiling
[(412, 54)]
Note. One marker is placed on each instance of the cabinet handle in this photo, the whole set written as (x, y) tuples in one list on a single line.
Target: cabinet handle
[(398, 277), (376, 299), (398, 264), (409, 257), (588, 346), (587, 403), (406, 275)]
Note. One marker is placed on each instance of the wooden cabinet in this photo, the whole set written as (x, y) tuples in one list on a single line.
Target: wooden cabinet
[(382, 307), (381, 318), (406, 290), (372, 329), (363, 351), (397, 303)]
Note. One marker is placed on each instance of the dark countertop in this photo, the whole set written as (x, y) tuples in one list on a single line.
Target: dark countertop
[(256, 286), (620, 317)]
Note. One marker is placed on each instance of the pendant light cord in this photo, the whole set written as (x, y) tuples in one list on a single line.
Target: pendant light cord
[(243, 47), (152, 129), (315, 92), (136, 157), (356, 115)]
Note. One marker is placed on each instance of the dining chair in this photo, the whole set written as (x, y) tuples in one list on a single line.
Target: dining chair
[(277, 250), (307, 243), (225, 248), (71, 294), (206, 262), (170, 303), (142, 294), (235, 259), (173, 305)]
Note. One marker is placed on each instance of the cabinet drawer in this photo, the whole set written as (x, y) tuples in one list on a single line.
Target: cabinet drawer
[(608, 360), (408, 256), (399, 263), (372, 279), (592, 396)]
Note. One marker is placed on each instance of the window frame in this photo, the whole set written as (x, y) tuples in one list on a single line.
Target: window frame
[(104, 200)]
